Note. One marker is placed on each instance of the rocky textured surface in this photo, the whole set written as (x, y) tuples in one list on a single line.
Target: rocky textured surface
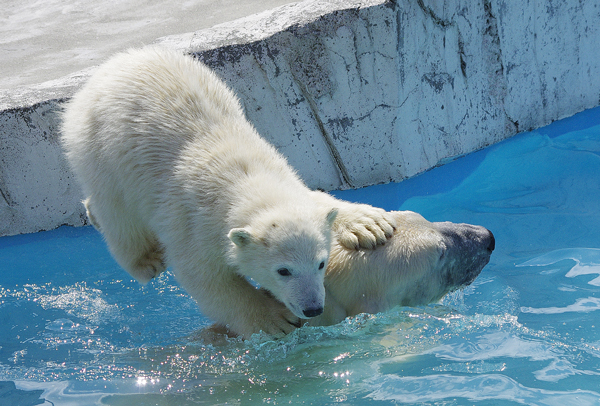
[(352, 92)]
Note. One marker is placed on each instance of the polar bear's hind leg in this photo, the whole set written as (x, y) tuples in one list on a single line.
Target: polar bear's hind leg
[(134, 247)]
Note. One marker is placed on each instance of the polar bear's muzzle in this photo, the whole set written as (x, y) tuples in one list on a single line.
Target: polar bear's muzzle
[(468, 250), (306, 296)]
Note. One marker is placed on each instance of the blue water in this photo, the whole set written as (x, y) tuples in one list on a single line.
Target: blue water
[(76, 330)]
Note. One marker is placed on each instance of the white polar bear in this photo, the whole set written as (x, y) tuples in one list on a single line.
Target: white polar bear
[(421, 263), (174, 174)]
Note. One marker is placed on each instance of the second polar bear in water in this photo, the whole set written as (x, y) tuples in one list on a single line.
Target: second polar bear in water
[(420, 264), (174, 174)]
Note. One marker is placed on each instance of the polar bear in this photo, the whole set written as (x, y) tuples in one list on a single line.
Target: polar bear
[(421, 263), (175, 175)]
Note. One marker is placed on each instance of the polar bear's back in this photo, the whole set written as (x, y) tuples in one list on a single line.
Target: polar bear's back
[(147, 113), (144, 103)]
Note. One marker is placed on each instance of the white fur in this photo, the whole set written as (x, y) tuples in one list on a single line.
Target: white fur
[(174, 174)]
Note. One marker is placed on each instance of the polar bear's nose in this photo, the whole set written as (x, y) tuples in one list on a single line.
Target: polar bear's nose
[(313, 312), (492, 245)]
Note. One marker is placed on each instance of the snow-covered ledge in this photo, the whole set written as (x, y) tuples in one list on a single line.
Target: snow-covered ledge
[(354, 93)]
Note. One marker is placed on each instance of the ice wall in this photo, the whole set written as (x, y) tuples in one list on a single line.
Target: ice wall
[(352, 92)]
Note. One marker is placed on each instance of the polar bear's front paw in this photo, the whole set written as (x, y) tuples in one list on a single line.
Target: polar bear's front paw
[(363, 226), (283, 323), (275, 319)]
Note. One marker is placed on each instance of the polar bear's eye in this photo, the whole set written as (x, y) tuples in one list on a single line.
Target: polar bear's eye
[(322, 265), (284, 272)]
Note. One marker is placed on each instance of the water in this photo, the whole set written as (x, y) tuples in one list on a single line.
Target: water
[(76, 330)]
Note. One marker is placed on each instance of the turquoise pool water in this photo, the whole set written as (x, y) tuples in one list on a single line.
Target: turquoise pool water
[(76, 330)]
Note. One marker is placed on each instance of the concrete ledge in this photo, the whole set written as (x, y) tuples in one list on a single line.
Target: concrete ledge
[(37, 189), (353, 92)]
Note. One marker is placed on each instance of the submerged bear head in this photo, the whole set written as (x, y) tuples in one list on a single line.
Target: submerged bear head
[(421, 263), (286, 254)]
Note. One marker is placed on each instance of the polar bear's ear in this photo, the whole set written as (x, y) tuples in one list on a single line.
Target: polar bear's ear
[(240, 236), (331, 216)]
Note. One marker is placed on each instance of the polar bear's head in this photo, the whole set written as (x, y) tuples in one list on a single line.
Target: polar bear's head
[(421, 263), (287, 254)]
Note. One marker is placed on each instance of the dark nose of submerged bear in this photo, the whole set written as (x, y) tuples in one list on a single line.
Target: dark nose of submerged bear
[(492, 245), (313, 312)]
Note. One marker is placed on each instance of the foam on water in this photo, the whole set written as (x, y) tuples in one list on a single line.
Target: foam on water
[(76, 330)]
